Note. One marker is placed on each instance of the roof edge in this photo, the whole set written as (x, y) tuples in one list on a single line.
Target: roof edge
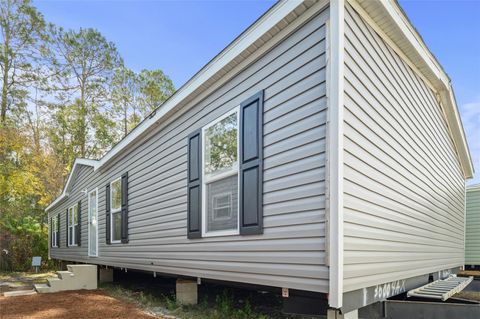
[(395, 14), (64, 194), (429, 70), (458, 132), (452, 114), (267, 21), (261, 26)]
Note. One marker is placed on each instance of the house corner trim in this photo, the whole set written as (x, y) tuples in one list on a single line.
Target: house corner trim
[(335, 91)]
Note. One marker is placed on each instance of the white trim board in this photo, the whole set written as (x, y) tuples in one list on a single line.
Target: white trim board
[(335, 92), (401, 36)]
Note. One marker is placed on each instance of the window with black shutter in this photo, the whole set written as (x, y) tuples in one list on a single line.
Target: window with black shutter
[(73, 228), (251, 165), (194, 191), (117, 210), (225, 173), (54, 233), (124, 222)]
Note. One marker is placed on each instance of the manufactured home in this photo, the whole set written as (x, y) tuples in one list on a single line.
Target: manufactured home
[(472, 227), (322, 151)]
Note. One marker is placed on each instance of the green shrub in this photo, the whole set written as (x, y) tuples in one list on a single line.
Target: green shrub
[(23, 238)]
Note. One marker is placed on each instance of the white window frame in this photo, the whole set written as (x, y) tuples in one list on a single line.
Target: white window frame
[(54, 231), (112, 211), (207, 180), (71, 224), (96, 205)]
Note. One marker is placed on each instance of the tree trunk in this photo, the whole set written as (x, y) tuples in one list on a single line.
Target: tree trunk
[(125, 120), (6, 69), (83, 123), (4, 93)]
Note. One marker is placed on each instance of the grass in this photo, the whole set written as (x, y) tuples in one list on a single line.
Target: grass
[(218, 307), (25, 277)]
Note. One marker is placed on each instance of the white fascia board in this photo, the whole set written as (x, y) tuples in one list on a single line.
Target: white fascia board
[(335, 92), (441, 85), (458, 133), (414, 39), (450, 104), (64, 195), (86, 162), (256, 31), (58, 200)]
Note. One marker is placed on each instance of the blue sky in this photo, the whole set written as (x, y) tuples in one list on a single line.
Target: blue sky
[(180, 37)]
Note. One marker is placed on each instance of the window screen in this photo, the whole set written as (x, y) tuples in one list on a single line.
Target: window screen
[(222, 204)]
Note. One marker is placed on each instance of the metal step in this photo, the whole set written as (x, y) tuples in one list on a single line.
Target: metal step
[(441, 289)]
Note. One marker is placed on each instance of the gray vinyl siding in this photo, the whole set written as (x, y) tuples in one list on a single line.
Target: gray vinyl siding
[(291, 252), (404, 191), (472, 235)]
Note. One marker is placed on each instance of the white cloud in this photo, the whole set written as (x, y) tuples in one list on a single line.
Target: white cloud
[(470, 113)]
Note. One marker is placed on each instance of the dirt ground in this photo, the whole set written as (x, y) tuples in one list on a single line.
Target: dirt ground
[(81, 304)]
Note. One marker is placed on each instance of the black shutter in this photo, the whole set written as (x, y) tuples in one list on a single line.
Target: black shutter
[(58, 230), (51, 232), (125, 208), (68, 234), (194, 185), (78, 231), (251, 165), (107, 215)]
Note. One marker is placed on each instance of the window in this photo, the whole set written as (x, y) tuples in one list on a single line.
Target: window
[(222, 206), (220, 176), (72, 225), (225, 173), (116, 210), (55, 228), (93, 223)]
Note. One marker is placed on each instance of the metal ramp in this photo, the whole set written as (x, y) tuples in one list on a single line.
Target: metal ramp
[(441, 289)]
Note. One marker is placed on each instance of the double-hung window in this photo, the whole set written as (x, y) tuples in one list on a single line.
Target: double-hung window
[(72, 225), (225, 173), (116, 211), (220, 176), (55, 228)]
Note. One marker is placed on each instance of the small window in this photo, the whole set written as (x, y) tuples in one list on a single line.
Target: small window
[(72, 225), (55, 229), (220, 176), (116, 208), (222, 207)]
